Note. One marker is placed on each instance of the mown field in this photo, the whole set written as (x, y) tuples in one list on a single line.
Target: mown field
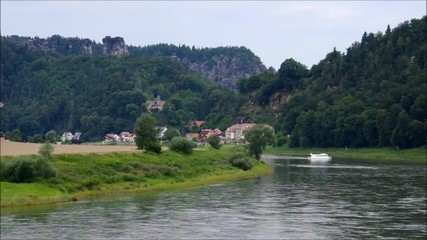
[(86, 175), (8, 148)]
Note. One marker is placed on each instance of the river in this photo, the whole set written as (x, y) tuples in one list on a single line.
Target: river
[(342, 199)]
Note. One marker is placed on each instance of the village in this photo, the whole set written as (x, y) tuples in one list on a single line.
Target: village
[(234, 134)]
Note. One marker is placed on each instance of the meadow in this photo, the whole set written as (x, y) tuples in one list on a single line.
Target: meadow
[(81, 176)]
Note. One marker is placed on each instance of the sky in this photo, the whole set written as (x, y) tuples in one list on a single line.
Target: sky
[(274, 30)]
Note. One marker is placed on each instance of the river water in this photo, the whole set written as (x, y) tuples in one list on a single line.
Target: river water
[(300, 200)]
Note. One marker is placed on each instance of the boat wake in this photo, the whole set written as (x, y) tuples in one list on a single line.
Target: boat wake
[(332, 166)]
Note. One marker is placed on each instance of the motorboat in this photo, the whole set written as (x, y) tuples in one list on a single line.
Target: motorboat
[(319, 157)]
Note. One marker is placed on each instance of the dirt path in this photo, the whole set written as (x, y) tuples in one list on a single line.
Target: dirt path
[(16, 148)]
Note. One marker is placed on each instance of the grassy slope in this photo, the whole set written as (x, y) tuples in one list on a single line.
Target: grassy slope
[(415, 155), (82, 176)]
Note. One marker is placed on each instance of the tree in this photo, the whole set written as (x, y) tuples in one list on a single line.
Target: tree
[(16, 136), (259, 137), (291, 72), (171, 133), (145, 130), (46, 150), (214, 141), (51, 136)]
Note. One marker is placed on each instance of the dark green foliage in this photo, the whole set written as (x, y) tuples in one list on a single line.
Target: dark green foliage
[(29, 169), (46, 150), (52, 137), (26, 169), (259, 137), (171, 133), (100, 94), (214, 141), (146, 133), (241, 161), (38, 138), (154, 147), (182, 145), (374, 95)]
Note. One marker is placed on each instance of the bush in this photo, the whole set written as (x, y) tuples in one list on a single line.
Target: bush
[(153, 147), (26, 169), (45, 168), (182, 145), (214, 141), (21, 169), (241, 161), (46, 150)]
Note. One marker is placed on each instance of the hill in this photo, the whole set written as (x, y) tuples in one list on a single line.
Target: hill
[(98, 94), (223, 65), (372, 95)]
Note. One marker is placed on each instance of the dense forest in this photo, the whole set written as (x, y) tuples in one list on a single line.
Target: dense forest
[(100, 94), (373, 95)]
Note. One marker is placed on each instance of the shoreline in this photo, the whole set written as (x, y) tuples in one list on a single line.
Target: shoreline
[(24, 199)]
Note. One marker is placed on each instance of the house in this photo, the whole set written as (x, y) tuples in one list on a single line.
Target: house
[(192, 136), (127, 137), (112, 138), (76, 137), (157, 103), (161, 132), (193, 123), (67, 136), (206, 133), (236, 132)]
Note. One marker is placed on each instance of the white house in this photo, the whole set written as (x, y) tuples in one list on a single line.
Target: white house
[(236, 132), (127, 137), (67, 136), (111, 138)]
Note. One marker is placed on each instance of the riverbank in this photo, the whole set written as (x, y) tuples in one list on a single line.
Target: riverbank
[(83, 176), (410, 156)]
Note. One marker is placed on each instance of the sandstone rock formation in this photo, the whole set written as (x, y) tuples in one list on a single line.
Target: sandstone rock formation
[(114, 46)]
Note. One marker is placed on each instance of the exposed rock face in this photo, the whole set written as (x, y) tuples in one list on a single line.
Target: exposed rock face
[(60, 45), (225, 69), (86, 47), (40, 44), (114, 46)]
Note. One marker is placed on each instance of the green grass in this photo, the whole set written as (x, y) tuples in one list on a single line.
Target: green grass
[(83, 176), (415, 155), (21, 194)]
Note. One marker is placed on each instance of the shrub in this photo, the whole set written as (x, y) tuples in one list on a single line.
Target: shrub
[(153, 147), (214, 141), (26, 169), (182, 145), (241, 161), (21, 169), (46, 150), (45, 168)]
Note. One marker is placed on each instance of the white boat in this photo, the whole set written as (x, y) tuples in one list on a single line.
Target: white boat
[(319, 157)]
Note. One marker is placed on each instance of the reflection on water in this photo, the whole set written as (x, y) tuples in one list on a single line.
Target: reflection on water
[(301, 200)]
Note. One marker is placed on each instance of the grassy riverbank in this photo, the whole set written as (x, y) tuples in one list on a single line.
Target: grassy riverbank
[(415, 155), (83, 176)]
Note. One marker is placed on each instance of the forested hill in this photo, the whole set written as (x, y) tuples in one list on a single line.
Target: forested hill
[(223, 65), (372, 95), (97, 95)]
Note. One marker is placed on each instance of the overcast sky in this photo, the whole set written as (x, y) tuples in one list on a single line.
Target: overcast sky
[(273, 30)]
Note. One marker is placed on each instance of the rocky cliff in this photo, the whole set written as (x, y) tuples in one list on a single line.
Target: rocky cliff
[(223, 65), (114, 46), (60, 45), (225, 69)]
